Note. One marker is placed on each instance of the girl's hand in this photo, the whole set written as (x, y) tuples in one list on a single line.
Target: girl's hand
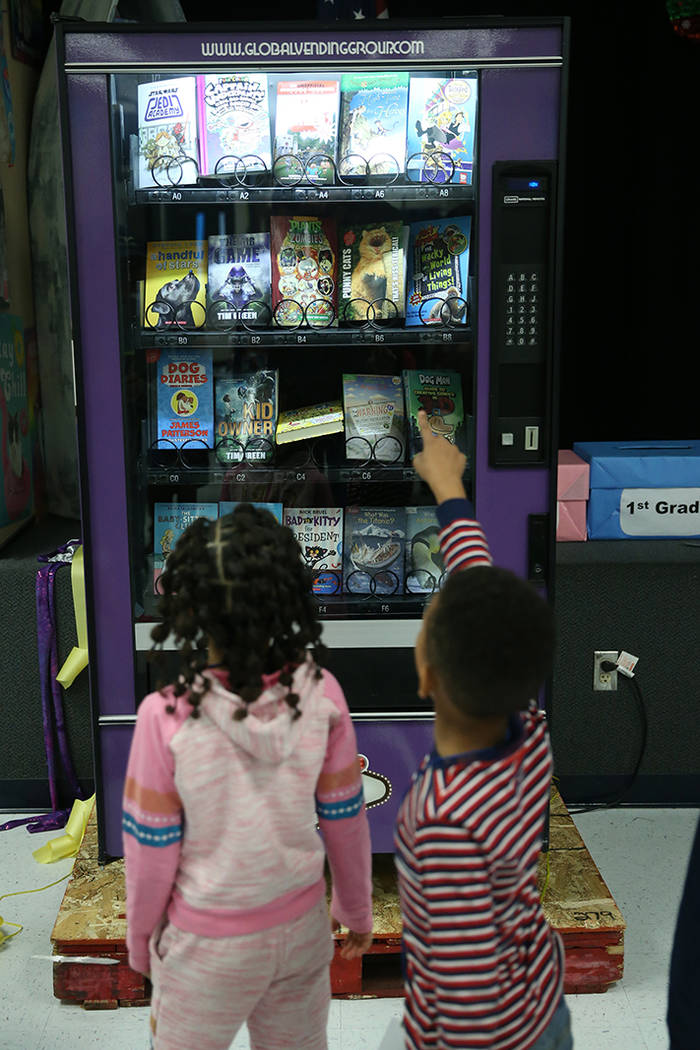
[(440, 464), (355, 944)]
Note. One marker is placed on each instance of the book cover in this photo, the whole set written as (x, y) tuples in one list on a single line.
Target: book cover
[(374, 550), (372, 271), (438, 270), (440, 395), (374, 418), (169, 522), (440, 129), (167, 119), (245, 414), (297, 424), (373, 108), (238, 283), (276, 509), (176, 279), (304, 259), (424, 566), (234, 123), (319, 533), (306, 129), (185, 397)]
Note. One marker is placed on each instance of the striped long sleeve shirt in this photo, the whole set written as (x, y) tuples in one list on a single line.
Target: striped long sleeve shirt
[(483, 967)]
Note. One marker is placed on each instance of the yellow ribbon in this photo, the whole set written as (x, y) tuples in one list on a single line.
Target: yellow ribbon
[(78, 656), (67, 844)]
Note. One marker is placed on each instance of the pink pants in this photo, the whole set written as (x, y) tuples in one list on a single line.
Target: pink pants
[(277, 980)]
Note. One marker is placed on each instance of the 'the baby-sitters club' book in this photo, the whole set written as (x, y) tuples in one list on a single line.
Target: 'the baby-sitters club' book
[(169, 522)]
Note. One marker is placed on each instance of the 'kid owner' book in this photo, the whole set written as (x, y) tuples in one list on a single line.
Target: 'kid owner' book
[(167, 116), (245, 415), (234, 123)]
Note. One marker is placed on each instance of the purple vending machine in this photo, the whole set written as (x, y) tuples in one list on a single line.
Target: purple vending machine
[(353, 221)]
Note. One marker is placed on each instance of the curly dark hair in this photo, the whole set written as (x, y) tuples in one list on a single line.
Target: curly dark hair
[(490, 637), (241, 584)]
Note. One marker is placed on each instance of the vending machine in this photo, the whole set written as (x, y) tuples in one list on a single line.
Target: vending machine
[(283, 243)]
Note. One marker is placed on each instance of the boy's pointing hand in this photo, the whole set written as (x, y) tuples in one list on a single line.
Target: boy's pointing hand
[(440, 464)]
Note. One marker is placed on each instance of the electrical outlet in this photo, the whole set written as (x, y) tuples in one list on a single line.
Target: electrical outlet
[(604, 680)]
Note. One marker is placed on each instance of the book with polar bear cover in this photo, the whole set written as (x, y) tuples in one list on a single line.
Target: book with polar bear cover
[(372, 271), (424, 565), (438, 269), (374, 550)]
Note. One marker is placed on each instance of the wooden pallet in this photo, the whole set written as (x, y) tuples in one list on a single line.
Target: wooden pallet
[(92, 921)]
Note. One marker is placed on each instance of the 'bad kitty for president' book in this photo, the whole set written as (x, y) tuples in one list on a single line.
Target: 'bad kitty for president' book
[(306, 130), (438, 270), (373, 110), (304, 258), (234, 123), (176, 280), (374, 550), (440, 131), (238, 286), (424, 566), (439, 394), (185, 398), (167, 119), (319, 533), (374, 418), (372, 271), (245, 410), (169, 522)]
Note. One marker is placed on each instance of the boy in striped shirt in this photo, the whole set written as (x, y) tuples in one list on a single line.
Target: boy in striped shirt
[(483, 967)]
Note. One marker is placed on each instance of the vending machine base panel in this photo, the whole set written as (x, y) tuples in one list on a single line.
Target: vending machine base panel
[(92, 922)]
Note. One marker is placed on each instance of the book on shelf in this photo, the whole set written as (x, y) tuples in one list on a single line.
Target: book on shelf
[(440, 129), (234, 123), (374, 418), (169, 522), (373, 108), (306, 130), (185, 397), (238, 284), (176, 279), (372, 271), (424, 565), (227, 506), (304, 258), (439, 394), (438, 271), (319, 533), (245, 414), (374, 550), (311, 421), (167, 138)]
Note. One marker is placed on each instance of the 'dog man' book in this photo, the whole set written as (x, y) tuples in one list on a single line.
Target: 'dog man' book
[(439, 394), (185, 397)]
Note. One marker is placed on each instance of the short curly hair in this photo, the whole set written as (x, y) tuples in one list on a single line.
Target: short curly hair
[(241, 583), (490, 638)]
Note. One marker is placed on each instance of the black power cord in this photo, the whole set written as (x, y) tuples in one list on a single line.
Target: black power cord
[(610, 665)]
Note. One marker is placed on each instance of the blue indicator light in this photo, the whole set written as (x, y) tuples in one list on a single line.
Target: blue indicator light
[(533, 184)]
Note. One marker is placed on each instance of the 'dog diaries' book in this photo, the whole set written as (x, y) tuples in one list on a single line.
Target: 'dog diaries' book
[(238, 284), (374, 549), (438, 270), (167, 118), (372, 271), (245, 415), (373, 110), (234, 123), (185, 398), (304, 270), (440, 395), (374, 419), (319, 533), (176, 279), (169, 522), (440, 132), (306, 127)]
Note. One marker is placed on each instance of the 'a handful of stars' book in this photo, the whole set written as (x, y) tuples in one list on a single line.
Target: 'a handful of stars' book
[(185, 397), (439, 394), (372, 271), (373, 109), (167, 122), (304, 270), (319, 533), (169, 522), (374, 418), (176, 280), (234, 123), (440, 130), (374, 550), (238, 286), (424, 566), (245, 415), (306, 130), (438, 270)]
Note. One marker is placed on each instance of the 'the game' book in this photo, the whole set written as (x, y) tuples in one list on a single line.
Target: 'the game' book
[(238, 286)]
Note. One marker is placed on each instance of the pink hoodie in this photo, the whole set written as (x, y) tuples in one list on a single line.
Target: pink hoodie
[(220, 816)]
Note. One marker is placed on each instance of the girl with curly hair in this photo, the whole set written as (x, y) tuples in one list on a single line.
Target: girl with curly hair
[(230, 770)]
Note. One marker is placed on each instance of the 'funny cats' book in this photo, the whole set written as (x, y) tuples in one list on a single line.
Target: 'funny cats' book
[(372, 271)]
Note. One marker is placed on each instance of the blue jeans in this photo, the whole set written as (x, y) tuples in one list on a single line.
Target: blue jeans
[(557, 1034)]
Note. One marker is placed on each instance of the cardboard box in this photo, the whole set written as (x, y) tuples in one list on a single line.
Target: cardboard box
[(642, 489)]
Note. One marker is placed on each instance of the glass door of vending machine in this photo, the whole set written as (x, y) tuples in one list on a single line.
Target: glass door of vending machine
[(282, 245)]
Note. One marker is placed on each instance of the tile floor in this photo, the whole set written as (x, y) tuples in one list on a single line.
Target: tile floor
[(641, 853)]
